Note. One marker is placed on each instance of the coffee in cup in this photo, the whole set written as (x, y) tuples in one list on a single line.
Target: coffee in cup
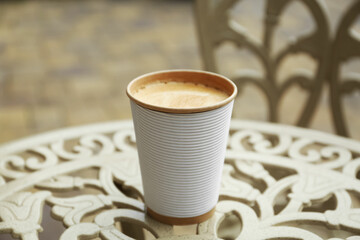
[(174, 94)]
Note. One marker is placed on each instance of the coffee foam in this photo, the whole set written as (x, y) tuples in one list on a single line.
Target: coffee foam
[(179, 94)]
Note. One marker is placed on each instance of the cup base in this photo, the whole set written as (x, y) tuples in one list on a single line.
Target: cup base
[(180, 221)]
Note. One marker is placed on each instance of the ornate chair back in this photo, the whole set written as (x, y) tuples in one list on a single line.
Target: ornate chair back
[(329, 49)]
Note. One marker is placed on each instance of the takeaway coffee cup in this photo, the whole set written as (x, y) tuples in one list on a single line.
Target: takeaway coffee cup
[(181, 120)]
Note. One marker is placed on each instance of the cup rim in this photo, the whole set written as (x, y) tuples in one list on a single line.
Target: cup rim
[(182, 110)]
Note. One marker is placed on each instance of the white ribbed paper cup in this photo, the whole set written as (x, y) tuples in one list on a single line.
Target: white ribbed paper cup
[(182, 150)]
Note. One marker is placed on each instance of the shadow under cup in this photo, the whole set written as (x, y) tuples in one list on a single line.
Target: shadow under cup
[(181, 150)]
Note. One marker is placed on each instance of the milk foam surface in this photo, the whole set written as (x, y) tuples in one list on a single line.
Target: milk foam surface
[(179, 95)]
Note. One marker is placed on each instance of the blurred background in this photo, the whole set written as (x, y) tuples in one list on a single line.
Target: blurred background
[(66, 62)]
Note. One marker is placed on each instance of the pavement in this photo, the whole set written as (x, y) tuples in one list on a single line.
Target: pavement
[(67, 63)]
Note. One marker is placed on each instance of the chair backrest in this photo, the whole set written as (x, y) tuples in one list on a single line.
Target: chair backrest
[(216, 26)]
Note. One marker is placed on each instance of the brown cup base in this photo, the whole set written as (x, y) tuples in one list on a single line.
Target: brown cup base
[(180, 221)]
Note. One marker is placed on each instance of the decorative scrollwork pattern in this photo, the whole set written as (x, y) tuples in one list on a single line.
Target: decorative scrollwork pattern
[(277, 181), (330, 50)]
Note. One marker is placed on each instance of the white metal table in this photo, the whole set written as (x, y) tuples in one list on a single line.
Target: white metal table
[(279, 182)]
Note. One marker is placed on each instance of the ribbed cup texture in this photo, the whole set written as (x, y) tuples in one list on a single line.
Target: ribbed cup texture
[(181, 158)]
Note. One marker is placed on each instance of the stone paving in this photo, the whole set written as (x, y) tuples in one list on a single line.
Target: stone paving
[(67, 63)]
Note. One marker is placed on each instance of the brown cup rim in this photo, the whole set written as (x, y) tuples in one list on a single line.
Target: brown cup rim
[(207, 78)]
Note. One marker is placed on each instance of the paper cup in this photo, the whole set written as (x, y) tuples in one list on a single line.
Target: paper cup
[(181, 150)]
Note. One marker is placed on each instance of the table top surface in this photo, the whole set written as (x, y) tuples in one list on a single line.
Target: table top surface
[(278, 182)]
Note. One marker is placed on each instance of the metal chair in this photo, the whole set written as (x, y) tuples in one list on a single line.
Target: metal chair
[(215, 26)]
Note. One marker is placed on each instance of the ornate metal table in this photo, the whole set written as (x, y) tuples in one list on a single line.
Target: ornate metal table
[(279, 182)]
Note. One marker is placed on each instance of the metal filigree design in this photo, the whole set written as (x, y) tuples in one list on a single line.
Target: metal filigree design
[(216, 26), (278, 182), (341, 53)]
